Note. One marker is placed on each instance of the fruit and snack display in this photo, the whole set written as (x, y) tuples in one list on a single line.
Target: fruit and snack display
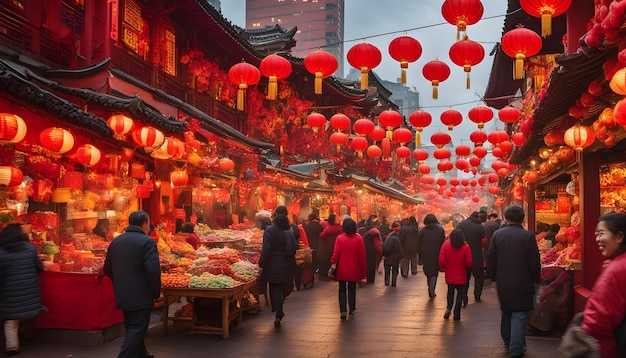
[(613, 186), (567, 248)]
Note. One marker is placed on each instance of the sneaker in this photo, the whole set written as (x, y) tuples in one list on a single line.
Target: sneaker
[(447, 314)]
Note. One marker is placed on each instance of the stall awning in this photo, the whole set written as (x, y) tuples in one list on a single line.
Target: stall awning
[(387, 190)]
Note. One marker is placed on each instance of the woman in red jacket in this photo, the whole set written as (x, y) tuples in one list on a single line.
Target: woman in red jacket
[(350, 263), (455, 257)]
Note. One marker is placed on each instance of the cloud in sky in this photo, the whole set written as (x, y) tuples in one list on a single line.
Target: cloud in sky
[(379, 22)]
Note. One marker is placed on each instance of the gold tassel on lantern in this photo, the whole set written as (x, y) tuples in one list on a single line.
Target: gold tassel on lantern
[(435, 89), (272, 88), (518, 66), (546, 24), (318, 83), (389, 133), (240, 96), (364, 71), (467, 69), (418, 139), (403, 76)]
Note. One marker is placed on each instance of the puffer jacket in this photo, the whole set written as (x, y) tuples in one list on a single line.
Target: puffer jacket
[(392, 250), (455, 263), (349, 255), (19, 284), (278, 246)]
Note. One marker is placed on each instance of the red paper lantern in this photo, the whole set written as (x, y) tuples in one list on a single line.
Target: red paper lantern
[(498, 164), (88, 155), (121, 125), (436, 72), (149, 138), (545, 10), (389, 119), (424, 169), (553, 137), (57, 140), (520, 43), (618, 81), (492, 178), (179, 178), (506, 146), (454, 181), (340, 122), (493, 189), (374, 151), (316, 121), (322, 64), (402, 136), (275, 68), (385, 145), (420, 154), (440, 139), (441, 181), (227, 164), (10, 176), (465, 182), (496, 137), (531, 176), (462, 164), (363, 126), (364, 57), (474, 161), (451, 118), (502, 172), (579, 137), (427, 179), (480, 115), (405, 49), (377, 134), (403, 152), (359, 144), (466, 53), (445, 165), (338, 138), (243, 75), (480, 152), (12, 128), (441, 153), (171, 148), (420, 119), (462, 150), (509, 114), (519, 139), (478, 138), (461, 13)]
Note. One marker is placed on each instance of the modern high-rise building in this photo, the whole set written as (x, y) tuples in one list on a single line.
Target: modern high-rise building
[(320, 23)]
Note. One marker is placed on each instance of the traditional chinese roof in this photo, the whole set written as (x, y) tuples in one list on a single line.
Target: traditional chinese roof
[(501, 87), (270, 39), (392, 191)]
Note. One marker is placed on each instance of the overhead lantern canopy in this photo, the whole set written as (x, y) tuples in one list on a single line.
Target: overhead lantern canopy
[(364, 57), (322, 64), (275, 68), (461, 13), (405, 49), (243, 75), (546, 10), (466, 53), (520, 43), (436, 72)]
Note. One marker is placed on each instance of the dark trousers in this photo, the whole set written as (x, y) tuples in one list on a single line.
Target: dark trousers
[(351, 296), (479, 280), (136, 325), (277, 298), (391, 271), (461, 293), (410, 261), (371, 267)]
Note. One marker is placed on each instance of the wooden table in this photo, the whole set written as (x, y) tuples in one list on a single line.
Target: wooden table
[(225, 295)]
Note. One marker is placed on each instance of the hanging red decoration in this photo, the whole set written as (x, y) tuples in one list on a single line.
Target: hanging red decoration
[(480, 115), (322, 64), (424, 169), (493, 189), (454, 181), (518, 139), (10, 176), (478, 138), (12, 128), (496, 137), (179, 177), (506, 146), (420, 119), (441, 181), (451, 118), (389, 119), (520, 43), (461, 13), (340, 122), (364, 57), (243, 75), (480, 152), (509, 114), (363, 126), (497, 152), (462, 164), (275, 68), (88, 155), (545, 10), (579, 137), (57, 140), (442, 153), (121, 125), (316, 121), (149, 138), (374, 151), (385, 145), (440, 139), (227, 164), (436, 72), (466, 53), (405, 49), (359, 144), (420, 154), (445, 165), (403, 152), (553, 137), (378, 133), (502, 172), (171, 148), (531, 176), (462, 150), (338, 138), (402, 136), (474, 161)]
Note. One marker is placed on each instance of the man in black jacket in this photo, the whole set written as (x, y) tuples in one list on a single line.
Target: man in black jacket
[(474, 234), (132, 263), (408, 238)]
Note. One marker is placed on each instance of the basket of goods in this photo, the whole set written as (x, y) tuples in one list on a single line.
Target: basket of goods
[(304, 256)]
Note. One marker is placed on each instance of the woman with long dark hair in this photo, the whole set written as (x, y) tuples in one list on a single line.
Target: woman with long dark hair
[(455, 258)]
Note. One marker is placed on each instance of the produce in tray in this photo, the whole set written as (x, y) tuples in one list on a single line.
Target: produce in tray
[(207, 280)]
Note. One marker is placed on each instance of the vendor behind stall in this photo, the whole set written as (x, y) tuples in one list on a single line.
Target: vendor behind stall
[(192, 239), (102, 228)]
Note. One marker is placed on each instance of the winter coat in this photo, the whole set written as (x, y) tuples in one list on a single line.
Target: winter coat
[(327, 242), (279, 246), (455, 263), (349, 255), (313, 230), (373, 242), (132, 263), (19, 284), (474, 234), (514, 263), (408, 238), (429, 241), (606, 307), (392, 250), (490, 227)]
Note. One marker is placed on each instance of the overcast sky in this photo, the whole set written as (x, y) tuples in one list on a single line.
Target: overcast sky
[(369, 19)]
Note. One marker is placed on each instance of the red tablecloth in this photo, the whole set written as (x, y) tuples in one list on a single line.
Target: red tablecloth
[(77, 301)]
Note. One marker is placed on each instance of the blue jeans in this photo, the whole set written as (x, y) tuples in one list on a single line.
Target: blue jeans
[(276, 297), (513, 331), (461, 293), (136, 325), (351, 286)]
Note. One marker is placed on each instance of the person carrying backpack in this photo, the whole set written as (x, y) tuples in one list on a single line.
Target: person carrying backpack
[(393, 254)]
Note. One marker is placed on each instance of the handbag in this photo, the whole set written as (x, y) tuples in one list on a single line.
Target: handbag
[(332, 270)]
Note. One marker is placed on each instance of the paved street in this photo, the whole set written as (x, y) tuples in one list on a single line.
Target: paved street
[(389, 321)]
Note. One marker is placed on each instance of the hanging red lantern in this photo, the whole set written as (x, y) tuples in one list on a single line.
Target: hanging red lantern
[(451, 118), (56, 140), (466, 53), (506, 146), (363, 126), (480, 152), (427, 179), (493, 189), (445, 165), (518, 139), (402, 136), (389, 119), (480, 115), (461, 13), (12, 128), (497, 152), (520, 43), (322, 64), (531, 176), (420, 119), (441, 153), (405, 49), (338, 138), (316, 121), (377, 134), (340, 122), (440, 139), (478, 138), (436, 72), (243, 75), (492, 177), (496, 137), (88, 155), (498, 164), (424, 169), (374, 151), (149, 138), (121, 125), (454, 181), (509, 114), (403, 152), (275, 68), (462, 150), (462, 164), (579, 137), (618, 81), (364, 57), (441, 181), (474, 161), (171, 148), (545, 10), (179, 177), (385, 145), (420, 154), (227, 164), (10, 176), (554, 137), (502, 172), (359, 144)]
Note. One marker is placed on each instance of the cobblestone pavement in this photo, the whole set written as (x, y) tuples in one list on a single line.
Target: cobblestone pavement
[(389, 321)]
